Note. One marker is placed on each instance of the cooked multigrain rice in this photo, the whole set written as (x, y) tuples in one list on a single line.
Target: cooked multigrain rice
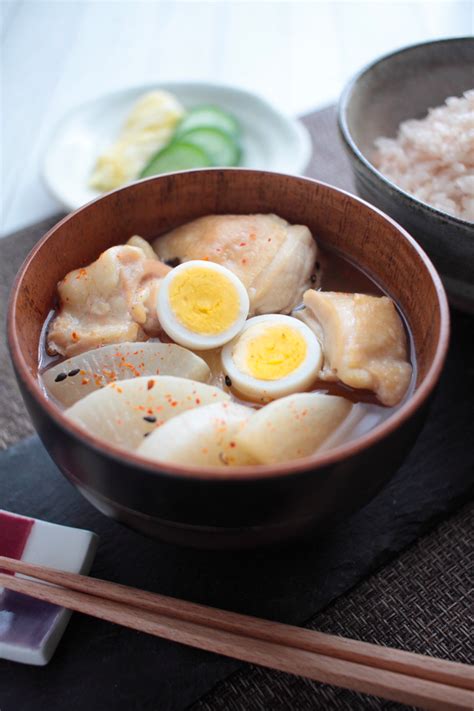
[(433, 158)]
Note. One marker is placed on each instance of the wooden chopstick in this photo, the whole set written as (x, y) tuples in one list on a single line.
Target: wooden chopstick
[(418, 665), (246, 647)]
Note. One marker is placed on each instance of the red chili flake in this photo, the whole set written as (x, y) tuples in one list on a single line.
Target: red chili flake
[(85, 381), (205, 259), (150, 384), (174, 403), (198, 401), (74, 336), (243, 244), (119, 390), (232, 444), (131, 367), (150, 410), (81, 273), (244, 261)]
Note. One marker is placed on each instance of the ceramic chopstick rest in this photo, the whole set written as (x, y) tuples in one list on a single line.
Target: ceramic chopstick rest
[(31, 629)]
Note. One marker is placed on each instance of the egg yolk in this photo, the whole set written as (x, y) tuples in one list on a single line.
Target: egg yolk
[(204, 301), (271, 352)]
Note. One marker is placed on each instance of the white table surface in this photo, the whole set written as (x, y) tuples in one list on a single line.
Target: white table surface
[(298, 55)]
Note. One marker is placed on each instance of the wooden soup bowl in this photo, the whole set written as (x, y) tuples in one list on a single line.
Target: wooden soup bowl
[(235, 506)]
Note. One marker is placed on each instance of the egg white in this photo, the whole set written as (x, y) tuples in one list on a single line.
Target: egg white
[(296, 381), (185, 336)]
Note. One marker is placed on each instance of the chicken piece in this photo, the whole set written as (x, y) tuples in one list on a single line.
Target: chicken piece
[(110, 301), (147, 249), (307, 316), (364, 342), (273, 259)]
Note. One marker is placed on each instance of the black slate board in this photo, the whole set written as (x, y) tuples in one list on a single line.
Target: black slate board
[(99, 666)]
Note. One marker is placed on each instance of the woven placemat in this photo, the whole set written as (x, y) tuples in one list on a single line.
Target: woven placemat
[(15, 422), (421, 602)]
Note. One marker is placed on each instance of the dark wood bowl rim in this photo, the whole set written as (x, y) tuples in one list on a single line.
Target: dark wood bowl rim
[(349, 90), (255, 472)]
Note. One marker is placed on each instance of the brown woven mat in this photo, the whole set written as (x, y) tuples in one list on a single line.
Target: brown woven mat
[(15, 422), (419, 602)]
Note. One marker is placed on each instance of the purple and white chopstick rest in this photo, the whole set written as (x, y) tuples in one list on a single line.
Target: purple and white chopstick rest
[(31, 629)]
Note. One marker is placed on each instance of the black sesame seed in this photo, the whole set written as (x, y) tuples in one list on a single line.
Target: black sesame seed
[(228, 381), (149, 418), (318, 266), (59, 377), (146, 434), (174, 262), (74, 372)]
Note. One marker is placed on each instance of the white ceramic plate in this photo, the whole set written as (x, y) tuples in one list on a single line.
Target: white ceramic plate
[(270, 141)]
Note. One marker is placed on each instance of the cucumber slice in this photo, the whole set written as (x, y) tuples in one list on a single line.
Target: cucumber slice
[(178, 155), (209, 117), (221, 148)]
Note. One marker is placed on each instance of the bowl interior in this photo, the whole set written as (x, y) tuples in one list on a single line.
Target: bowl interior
[(405, 85), (337, 220)]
